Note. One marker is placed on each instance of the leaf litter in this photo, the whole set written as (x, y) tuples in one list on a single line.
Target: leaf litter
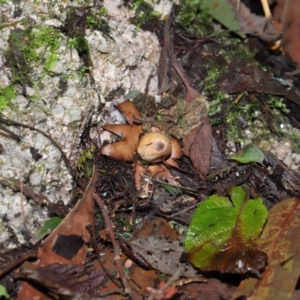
[(81, 258)]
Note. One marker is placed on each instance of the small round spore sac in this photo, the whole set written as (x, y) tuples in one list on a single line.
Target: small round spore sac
[(154, 147)]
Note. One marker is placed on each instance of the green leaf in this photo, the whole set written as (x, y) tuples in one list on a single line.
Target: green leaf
[(222, 224), (3, 292), (238, 196), (250, 153), (223, 13), (49, 225)]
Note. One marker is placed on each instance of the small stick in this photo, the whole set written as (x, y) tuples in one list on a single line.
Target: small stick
[(93, 235), (168, 283), (71, 170), (23, 210), (116, 246), (266, 8), (12, 134), (17, 185), (18, 262), (191, 93)]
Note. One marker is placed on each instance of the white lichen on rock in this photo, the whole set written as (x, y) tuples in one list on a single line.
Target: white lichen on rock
[(61, 101)]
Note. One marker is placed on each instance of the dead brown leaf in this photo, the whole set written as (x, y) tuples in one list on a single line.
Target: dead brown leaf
[(253, 24), (286, 18), (280, 240), (65, 280), (213, 289), (66, 244), (197, 146), (242, 76), (161, 247)]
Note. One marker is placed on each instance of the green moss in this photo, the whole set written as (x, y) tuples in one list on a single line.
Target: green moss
[(76, 25), (124, 222), (276, 102), (40, 37), (6, 94), (84, 161), (193, 19), (79, 43), (32, 46), (95, 21), (211, 89), (248, 115), (238, 48), (143, 13)]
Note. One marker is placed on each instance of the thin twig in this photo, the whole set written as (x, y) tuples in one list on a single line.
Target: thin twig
[(293, 73), (226, 169), (23, 210), (266, 8), (11, 134), (168, 283), (184, 188), (18, 262), (17, 185), (116, 246), (98, 253), (191, 93), (182, 211), (71, 170)]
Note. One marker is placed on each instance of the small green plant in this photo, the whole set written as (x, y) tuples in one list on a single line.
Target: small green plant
[(94, 20), (3, 292), (250, 153), (125, 223), (31, 46), (144, 13), (276, 102), (221, 224), (85, 156), (178, 227), (6, 94), (48, 226), (193, 18)]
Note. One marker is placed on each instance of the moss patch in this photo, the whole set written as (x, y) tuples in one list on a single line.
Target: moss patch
[(6, 95)]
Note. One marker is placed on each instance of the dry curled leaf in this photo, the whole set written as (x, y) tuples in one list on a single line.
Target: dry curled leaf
[(74, 229), (162, 254), (253, 24), (65, 279), (280, 240), (197, 145)]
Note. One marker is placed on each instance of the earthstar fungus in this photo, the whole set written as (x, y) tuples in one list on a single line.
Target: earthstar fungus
[(155, 148)]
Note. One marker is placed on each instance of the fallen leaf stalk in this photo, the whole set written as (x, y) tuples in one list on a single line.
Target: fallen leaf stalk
[(10, 267), (93, 235), (116, 246)]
